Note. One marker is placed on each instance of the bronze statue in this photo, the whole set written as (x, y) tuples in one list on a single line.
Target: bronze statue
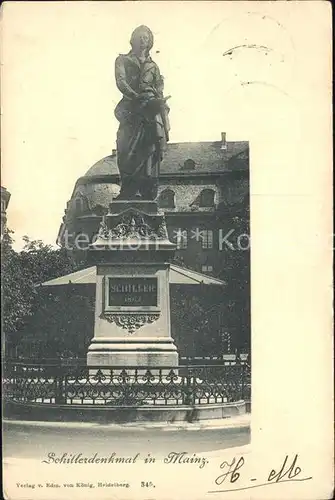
[(143, 116)]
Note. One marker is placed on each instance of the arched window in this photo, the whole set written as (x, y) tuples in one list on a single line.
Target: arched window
[(207, 198), (99, 210), (166, 199), (78, 205), (189, 164)]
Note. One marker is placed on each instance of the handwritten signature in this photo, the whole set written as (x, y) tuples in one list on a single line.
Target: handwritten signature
[(232, 473)]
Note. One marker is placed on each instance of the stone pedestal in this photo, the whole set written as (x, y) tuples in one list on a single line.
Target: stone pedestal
[(132, 312)]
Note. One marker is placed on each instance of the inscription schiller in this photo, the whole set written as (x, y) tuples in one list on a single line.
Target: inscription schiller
[(132, 292)]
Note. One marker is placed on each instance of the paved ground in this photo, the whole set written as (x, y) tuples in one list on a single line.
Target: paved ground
[(29, 474), (37, 439)]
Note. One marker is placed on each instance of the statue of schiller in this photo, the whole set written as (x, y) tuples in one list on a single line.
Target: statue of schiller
[(143, 116)]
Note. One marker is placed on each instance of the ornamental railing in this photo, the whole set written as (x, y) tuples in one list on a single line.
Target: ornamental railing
[(67, 359), (78, 384)]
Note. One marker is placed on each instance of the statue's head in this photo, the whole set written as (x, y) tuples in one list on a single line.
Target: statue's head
[(142, 38)]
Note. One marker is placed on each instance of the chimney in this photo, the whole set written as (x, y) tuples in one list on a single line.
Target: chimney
[(223, 141)]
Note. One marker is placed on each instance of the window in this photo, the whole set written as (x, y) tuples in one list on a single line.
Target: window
[(166, 199), (181, 239), (207, 269), (207, 238), (207, 198), (99, 210), (189, 164), (78, 205)]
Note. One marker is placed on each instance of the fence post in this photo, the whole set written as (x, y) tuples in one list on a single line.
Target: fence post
[(242, 380), (189, 393), (60, 397)]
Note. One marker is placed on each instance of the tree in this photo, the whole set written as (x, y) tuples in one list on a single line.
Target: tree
[(21, 272), (200, 320), (16, 289), (235, 272), (195, 316), (62, 324), (41, 262)]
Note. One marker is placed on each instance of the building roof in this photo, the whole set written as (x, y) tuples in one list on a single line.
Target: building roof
[(105, 166), (208, 157), (178, 276), (202, 159)]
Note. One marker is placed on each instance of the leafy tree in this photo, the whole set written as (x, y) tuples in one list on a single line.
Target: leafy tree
[(16, 289), (21, 272), (200, 317), (195, 317), (235, 272), (41, 262), (62, 324)]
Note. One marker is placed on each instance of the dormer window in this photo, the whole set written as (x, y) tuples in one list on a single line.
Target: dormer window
[(78, 205), (207, 198), (189, 164), (166, 199)]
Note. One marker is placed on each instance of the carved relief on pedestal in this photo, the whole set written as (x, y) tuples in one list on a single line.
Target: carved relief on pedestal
[(131, 322), (135, 226)]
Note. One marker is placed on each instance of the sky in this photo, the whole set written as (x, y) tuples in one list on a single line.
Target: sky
[(59, 94)]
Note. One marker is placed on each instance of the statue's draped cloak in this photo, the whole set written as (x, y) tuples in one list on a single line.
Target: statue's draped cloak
[(144, 127)]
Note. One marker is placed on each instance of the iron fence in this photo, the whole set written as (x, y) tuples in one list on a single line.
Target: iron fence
[(227, 358), (59, 383)]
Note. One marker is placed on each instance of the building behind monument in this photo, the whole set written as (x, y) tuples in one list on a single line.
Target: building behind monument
[(204, 192)]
